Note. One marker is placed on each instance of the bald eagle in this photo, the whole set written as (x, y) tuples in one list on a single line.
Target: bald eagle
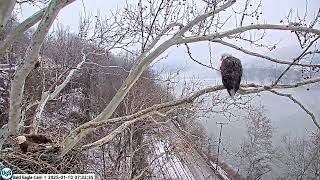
[(33, 142), (231, 73)]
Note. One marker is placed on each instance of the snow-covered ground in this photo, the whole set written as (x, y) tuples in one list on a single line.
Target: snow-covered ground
[(187, 165)]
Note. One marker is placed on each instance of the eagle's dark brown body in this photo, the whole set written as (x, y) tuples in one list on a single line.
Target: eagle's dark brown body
[(231, 72), (38, 138), (32, 142)]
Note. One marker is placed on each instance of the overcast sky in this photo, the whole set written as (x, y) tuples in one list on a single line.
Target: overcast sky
[(273, 9), (273, 12)]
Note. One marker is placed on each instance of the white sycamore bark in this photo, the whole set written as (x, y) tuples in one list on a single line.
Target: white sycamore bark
[(29, 61), (143, 61), (20, 29), (4, 132), (149, 56), (46, 96), (6, 8), (140, 115)]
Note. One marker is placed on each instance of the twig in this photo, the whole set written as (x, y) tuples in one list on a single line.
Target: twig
[(193, 59), (264, 56), (300, 104), (296, 60)]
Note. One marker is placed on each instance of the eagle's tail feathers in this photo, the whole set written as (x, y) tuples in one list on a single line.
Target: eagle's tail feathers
[(232, 93)]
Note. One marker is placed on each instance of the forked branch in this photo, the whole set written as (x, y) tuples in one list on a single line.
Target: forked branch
[(153, 110)]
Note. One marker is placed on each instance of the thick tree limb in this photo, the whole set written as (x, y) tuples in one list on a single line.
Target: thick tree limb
[(205, 16), (133, 119), (30, 59), (6, 8), (48, 95), (242, 29), (245, 89), (18, 31), (130, 119), (4, 134), (144, 60), (135, 73), (115, 132), (258, 88)]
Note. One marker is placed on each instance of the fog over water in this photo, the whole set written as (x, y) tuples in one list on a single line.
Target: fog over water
[(287, 118)]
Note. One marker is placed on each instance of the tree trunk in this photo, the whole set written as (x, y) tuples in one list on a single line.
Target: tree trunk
[(29, 61), (6, 7)]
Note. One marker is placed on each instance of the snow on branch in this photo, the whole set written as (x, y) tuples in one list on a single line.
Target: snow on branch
[(242, 29), (130, 119), (148, 55), (48, 95), (29, 61)]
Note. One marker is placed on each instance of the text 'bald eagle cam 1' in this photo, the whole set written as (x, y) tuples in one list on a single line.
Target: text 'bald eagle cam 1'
[(231, 72)]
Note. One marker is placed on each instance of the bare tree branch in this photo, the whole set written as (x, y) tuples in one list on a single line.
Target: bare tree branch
[(299, 104), (242, 29), (148, 56), (6, 8), (30, 59), (135, 73), (193, 59), (204, 16), (18, 31), (48, 95), (163, 32), (262, 56), (296, 60), (152, 24), (130, 119)]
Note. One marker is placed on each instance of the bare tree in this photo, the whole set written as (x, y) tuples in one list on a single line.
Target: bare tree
[(192, 29), (300, 157), (30, 57), (155, 26), (257, 150)]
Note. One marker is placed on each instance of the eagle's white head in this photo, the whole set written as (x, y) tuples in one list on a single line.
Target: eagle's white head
[(225, 56), (21, 139)]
